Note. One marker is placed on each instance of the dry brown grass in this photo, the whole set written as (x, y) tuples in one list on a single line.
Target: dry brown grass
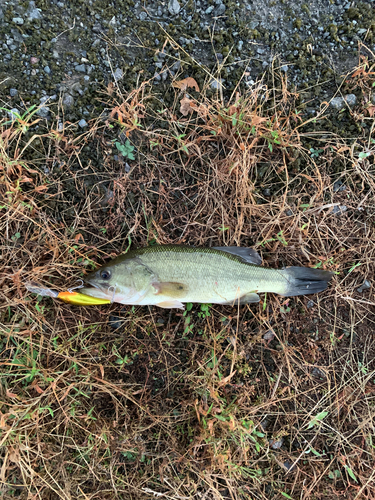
[(269, 401)]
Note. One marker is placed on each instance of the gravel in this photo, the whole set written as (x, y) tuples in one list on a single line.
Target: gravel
[(366, 286)]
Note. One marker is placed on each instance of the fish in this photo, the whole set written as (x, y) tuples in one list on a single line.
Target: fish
[(169, 276)]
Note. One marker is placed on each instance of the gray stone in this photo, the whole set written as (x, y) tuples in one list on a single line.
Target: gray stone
[(47, 70), (219, 11), (13, 92), (118, 74), (18, 20), (276, 445), (284, 68), (68, 101), (338, 103), (350, 99), (209, 10), (159, 65), (142, 16), (13, 113), (82, 123), (366, 286), (43, 112), (32, 12), (339, 209), (310, 304), (81, 68), (216, 84), (127, 168), (174, 7), (338, 186)]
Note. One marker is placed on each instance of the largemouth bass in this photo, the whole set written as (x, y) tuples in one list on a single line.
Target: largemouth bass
[(170, 275)]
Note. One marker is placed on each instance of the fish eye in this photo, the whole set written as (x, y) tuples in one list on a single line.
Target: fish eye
[(105, 274)]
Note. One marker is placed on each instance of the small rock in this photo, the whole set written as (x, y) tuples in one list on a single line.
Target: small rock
[(338, 186), (118, 74), (68, 101), (81, 68), (264, 424), (219, 11), (216, 84), (317, 372), (32, 12), (82, 123), (127, 168), (337, 103), (43, 112), (115, 322), (289, 465), (269, 335), (159, 64), (351, 100), (267, 192), (174, 7), (310, 304), (209, 10), (339, 209), (142, 16), (366, 286), (13, 92), (276, 445), (13, 113), (47, 70), (288, 212), (18, 20), (34, 60), (284, 68)]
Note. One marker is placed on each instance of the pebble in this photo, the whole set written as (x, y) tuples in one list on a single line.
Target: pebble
[(340, 102), (47, 70), (43, 112), (68, 101), (32, 12), (13, 113), (142, 16), (174, 7), (310, 304), (366, 286), (219, 11), (317, 372), (13, 92), (118, 74), (115, 322), (339, 209), (276, 445), (209, 10), (18, 20), (82, 123), (81, 68), (338, 186), (34, 60), (216, 84), (269, 335), (284, 68)]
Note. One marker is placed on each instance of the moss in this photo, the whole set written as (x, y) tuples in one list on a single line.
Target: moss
[(297, 23)]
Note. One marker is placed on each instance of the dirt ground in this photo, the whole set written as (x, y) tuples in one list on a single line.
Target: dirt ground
[(269, 400)]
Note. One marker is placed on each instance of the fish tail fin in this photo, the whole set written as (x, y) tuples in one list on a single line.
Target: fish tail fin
[(304, 280)]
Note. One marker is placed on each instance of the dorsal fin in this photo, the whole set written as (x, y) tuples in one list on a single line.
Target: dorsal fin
[(247, 254)]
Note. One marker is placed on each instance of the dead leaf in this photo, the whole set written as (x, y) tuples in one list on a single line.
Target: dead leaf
[(185, 83), (185, 108)]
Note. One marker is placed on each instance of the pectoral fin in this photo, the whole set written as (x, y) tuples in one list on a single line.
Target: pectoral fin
[(170, 289), (247, 254), (171, 304)]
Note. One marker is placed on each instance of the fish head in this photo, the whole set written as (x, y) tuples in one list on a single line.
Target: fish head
[(110, 283)]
